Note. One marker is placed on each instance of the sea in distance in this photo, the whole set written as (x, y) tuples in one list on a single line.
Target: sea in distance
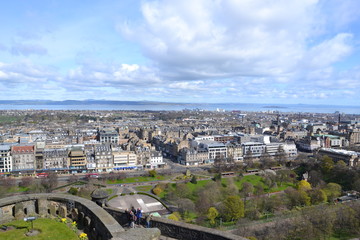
[(163, 106)]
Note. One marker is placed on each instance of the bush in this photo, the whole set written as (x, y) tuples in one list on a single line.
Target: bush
[(157, 190), (73, 191), (193, 180), (152, 173), (175, 216)]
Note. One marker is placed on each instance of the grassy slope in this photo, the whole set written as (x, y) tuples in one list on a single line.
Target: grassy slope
[(50, 229), (136, 180)]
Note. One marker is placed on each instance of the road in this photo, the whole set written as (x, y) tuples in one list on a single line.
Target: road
[(170, 167)]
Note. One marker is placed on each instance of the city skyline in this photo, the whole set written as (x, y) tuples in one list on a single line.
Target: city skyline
[(302, 51)]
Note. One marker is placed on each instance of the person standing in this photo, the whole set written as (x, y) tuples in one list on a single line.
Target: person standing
[(132, 219), (147, 220), (138, 216)]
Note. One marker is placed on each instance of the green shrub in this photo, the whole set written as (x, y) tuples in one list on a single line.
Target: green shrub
[(157, 191), (73, 191), (152, 173)]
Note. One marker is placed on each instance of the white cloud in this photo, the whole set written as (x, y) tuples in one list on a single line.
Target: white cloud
[(214, 39)]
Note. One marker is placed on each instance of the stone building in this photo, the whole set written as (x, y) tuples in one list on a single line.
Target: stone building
[(77, 159), (5, 158), (23, 158), (351, 158), (108, 136), (104, 158), (156, 160), (55, 159)]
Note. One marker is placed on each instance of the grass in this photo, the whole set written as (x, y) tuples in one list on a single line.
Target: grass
[(342, 236), (18, 189), (200, 184), (190, 217), (49, 229), (143, 188), (136, 180), (253, 179), (109, 191)]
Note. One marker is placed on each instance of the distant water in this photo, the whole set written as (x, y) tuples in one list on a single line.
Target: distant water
[(295, 108)]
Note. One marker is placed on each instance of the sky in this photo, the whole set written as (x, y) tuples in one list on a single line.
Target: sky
[(202, 51)]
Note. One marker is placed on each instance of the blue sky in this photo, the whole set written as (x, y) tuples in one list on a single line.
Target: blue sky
[(259, 51)]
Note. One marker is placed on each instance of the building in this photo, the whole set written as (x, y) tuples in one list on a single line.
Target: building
[(39, 155), (55, 159), (224, 138), (5, 158), (156, 160), (273, 148), (104, 158), (308, 144), (351, 158), (214, 149), (253, 149), (77, 159), (108, 136), (354, 137), (190, 157), (235, 151), (23, 158), (124, 160), (290, 150)]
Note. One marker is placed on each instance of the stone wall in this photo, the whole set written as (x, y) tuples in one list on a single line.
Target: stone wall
[(178, 230), (97, 223)]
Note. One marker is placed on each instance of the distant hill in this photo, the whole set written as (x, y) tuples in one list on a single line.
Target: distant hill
[(83, 102)]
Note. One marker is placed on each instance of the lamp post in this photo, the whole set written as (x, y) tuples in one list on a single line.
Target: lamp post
[(30, 219)]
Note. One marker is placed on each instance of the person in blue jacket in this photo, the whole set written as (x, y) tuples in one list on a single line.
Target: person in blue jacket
[(138, 216)]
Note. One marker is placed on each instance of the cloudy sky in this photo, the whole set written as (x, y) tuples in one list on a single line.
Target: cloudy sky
[(255, 51)]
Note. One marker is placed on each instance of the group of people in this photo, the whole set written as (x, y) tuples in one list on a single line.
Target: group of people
[(135, 215)]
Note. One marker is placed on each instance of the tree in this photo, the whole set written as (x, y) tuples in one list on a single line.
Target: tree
[(193, 180), (248, 159), (327, 164), (208, 196), (217, 177), (8, 182), (281, 157), (26, 182), (284, 176), (266, 160), (259, 189), (322, 219), (247, 189), (152, 173), (297, 197), (233, 208), (356, 185), (317, 196), (53, 179), (340, 164), (182, 190), (73, 178), (315, 178), (212, 214), (304, 185), (332, 190), (185, 207)]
